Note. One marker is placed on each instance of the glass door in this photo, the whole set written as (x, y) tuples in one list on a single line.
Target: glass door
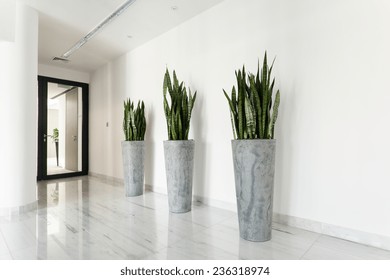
[(62, 128)]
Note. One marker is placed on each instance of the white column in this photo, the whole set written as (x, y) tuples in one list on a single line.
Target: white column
[(18, 114)]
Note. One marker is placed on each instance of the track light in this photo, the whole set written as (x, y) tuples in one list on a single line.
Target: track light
[(98, 28)]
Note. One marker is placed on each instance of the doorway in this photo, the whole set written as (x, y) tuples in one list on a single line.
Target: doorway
[(62, 128)]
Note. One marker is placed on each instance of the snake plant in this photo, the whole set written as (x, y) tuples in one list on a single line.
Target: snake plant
[(134, 122), (250, 104), (178, 113)]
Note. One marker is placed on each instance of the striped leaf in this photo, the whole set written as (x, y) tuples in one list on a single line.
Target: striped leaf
[(178, 115), (250, 118), (134, 122), (250, 110), (274, 116)]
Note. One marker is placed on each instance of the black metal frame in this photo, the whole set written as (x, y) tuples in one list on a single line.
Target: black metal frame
[(42, 128)]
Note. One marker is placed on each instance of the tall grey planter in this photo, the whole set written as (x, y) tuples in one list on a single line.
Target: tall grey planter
[(254, 168), (179, 166), (133, 156)]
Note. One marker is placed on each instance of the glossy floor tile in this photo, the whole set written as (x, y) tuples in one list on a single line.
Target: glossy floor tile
[(89, 218), (328, 247)]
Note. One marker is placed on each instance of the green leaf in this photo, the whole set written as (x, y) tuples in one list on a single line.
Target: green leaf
[(178, 115), (250, 112), (274, 116), (179, 127), (134, 122), (256, 105), (240, 111), (232, 108), (250, 119), (173, 126), (175, 80), (233, 112)]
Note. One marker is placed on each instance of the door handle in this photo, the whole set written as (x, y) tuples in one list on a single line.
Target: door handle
[(74, 138), (44, 137)]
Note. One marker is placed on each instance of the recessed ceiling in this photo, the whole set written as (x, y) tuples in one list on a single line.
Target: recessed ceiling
[(63, 22)]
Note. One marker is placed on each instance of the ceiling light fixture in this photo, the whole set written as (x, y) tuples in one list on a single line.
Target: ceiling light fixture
[(99, 27), (60, 59)]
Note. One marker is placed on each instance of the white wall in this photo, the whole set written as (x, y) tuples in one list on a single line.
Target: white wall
[(7, 20), (98, 118), (63, 73), (332, 70), (333, 63)]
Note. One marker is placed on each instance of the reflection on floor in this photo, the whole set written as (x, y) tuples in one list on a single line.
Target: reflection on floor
[(53, 169), (87, 218)]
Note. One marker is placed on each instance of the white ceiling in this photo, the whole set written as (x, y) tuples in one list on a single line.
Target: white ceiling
[(63, 22)]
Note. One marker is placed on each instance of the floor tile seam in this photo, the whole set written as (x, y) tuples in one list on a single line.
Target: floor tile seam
[(26, 229), (192, 222), (223, 220), (6, 243), (192, 240), (224, 251), (205, 228), (117, 213), (60, 245), (156, 253), (316, 242), (311, 246), (355, 243), (347, 252), (199, 224), (33, 234), (140, 205), (181, 238), (12, 253)]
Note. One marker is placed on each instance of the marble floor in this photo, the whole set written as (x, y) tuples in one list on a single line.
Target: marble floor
[(89, 218), (53, 169)]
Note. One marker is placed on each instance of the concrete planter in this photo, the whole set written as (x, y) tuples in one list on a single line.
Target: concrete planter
[(179, 166), (254, 168), (133, 156)]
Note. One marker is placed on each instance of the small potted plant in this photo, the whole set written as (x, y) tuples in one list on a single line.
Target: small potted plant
[(178, 150), (254, 150), (133, 148)]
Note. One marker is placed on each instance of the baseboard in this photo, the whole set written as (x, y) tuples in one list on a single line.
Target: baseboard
[(216, 203), (157, 189), (18, 210), (148, 188), (108, 179), (370, 239)]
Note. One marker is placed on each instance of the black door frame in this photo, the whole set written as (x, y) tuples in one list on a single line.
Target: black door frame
[(42, 128)]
